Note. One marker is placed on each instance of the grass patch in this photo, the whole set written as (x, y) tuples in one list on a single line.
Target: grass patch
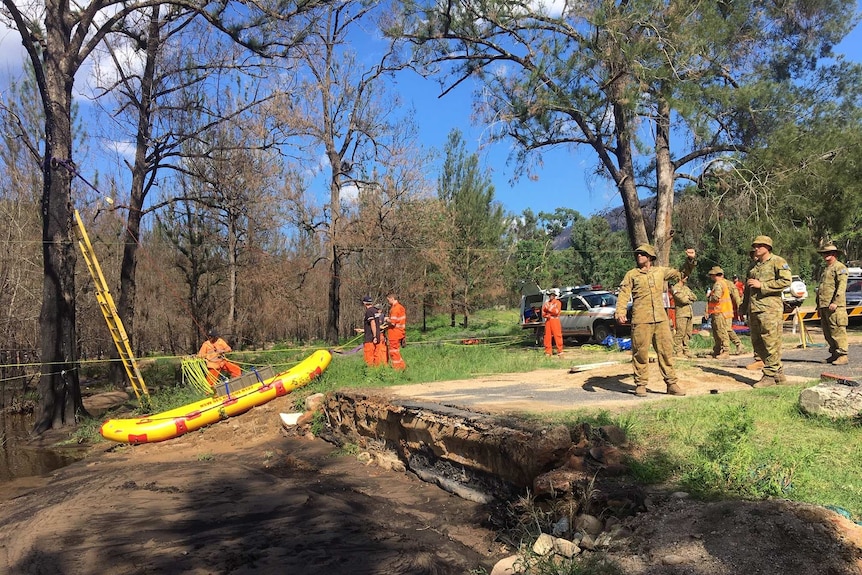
[(588, 564), (87, 431), (347, 449), (750, 445), (170, 397)]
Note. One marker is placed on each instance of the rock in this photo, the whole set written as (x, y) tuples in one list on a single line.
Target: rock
[(833, 401), (314, 401), (561, 527), (558, 481), (544, 544), (587, 542), (389, 461), (607, 455), (589, 524), (508, 566), (565, 548), (614, 435), (305, 418), (603, 541), (672, 559), (679, 495), (576, 463)]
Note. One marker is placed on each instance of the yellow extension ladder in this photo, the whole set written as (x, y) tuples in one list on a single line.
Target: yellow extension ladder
[(109, 310)]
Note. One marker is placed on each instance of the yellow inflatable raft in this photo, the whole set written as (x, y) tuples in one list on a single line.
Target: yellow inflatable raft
[(176, 422)]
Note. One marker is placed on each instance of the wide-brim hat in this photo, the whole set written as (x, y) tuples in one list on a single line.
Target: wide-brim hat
[(762, 240), (646, 249), (714, 271), (828, 248)]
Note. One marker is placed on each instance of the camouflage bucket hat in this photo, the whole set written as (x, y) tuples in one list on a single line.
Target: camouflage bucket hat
[(828, 248), (646, 249), (762, 240)]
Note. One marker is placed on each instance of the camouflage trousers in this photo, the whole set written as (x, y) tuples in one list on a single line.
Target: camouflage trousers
[(834, 324), (657, 334), (733, 336), (723, 335), (682, 336), (720, 338), (766, 331)]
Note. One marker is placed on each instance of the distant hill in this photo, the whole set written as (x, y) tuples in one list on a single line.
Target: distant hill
[(616, 218)]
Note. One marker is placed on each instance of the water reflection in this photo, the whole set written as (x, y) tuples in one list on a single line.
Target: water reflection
[(20, 458)]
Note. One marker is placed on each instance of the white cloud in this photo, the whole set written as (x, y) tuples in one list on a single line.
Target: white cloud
[(124, 149), (349, 193), (553, 8)]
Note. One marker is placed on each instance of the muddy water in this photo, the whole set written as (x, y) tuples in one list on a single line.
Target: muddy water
[(21, 458)]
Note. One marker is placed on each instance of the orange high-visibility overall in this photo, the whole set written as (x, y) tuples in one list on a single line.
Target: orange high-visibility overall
[(395, 334), (213, 353), (553, 328)]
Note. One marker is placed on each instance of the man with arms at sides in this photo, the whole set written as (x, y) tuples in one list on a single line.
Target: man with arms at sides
[(645, 286), (397, 324), (832, 304), (767, 278)]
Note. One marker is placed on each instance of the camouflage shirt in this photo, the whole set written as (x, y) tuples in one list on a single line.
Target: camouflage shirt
[(646, 288), (683, 297), (774, 275), (833, 285)]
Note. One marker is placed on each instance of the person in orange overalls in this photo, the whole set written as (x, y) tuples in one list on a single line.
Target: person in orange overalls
[(397, 324), (373, 347), (553, 329), (213, 350)]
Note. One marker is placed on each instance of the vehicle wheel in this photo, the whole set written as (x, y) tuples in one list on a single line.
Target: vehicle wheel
[(601, 331)]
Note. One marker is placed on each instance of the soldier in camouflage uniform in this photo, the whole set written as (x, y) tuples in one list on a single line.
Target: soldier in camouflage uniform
[(645, 285), (832, 305), (767, 278), (683, 297)]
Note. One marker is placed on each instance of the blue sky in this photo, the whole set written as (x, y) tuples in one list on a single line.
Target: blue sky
[(564, 180)]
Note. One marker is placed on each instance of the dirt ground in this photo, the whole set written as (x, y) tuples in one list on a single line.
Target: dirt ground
[(247, 496)]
